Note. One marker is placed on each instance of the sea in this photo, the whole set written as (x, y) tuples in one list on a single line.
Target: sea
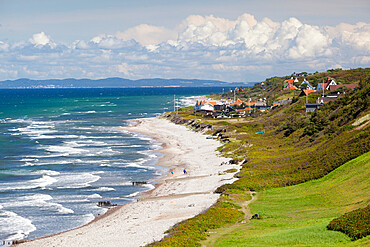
[(62, 151)]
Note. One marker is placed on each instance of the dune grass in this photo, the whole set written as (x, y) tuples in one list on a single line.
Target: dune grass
[(298, 215)]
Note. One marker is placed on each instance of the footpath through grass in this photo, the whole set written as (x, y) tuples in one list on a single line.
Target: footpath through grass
[(298, 215)]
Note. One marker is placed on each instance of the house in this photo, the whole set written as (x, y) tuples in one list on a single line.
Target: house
[(223, 108), (308, 85), (306, 92), (289, 84), (326, 99), (326, 84), (349, 86), (322, 86), (261, 106), (312, 107), (250, 104), (237, 103), (204, 106), (246, 110)]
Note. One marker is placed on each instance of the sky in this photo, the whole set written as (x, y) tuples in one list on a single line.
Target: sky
[(233, 40)]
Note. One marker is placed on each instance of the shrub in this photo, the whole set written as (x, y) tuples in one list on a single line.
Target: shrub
[(356, 224)]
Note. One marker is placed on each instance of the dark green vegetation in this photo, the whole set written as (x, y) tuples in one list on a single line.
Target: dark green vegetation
[(294, 150), (355, 223)]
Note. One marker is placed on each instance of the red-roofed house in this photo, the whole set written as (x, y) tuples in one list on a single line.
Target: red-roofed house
[(306, 92), (238, 102), (349, 86), (289, 84), (249, 103)]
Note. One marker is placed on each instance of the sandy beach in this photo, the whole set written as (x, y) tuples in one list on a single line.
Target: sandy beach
[(175, 198)]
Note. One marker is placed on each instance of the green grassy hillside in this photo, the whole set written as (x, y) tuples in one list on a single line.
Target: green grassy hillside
[(298, 215)]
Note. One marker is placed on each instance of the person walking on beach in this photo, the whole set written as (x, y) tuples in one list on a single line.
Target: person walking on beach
[(172, 172), (185, 172)]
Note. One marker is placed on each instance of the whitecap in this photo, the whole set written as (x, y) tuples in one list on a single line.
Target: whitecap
[(76, 180), (66, 150), (128, 183), (14, 225), (135, 165), (94, 196), (133, 194), (106, 165), (88, 218), (149, 186), (40, 201), (103, 189), (46, 172), (42, 182), (28, 160)]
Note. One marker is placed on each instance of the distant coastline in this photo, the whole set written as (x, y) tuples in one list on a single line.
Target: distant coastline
[(116, 82)]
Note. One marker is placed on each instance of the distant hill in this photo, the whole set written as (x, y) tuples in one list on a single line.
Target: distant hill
[(116, 82)]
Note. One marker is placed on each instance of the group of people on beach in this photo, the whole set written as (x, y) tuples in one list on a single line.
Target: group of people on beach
[(184, 171)]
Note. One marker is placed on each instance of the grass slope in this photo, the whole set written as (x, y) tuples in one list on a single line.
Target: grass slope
[(298, 215)]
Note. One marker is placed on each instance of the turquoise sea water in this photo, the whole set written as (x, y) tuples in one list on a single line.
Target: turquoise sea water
[(61, 152)]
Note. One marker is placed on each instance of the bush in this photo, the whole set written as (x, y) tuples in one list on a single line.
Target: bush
[(356, 224)]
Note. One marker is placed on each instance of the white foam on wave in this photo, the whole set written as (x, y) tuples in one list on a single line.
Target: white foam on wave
[(99, 137), (65, 150), (45, 156), (84, 143), (103, 189), (19, 120), (76, 180), (36, 129), (150, 155), (46, 172), (127, 183), (62, 162), (40, 201), (187, 101), (42, 182), (28, 164), (106, 165), (94, 196), (54, 137), (87, 218), (29, 160), (38, 172), (14, 225), (136, 165), (133, 194), (149, 186)]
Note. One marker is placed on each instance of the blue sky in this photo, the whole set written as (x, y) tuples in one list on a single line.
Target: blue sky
[(230, 40)]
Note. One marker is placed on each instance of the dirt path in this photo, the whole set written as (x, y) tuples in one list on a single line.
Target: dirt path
[(217, 233)]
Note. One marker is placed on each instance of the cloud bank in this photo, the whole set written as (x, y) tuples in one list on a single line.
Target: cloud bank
[(204, 47)]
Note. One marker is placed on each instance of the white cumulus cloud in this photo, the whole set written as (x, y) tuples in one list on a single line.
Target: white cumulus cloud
[(147, 34), (41, 39), (240, 49)]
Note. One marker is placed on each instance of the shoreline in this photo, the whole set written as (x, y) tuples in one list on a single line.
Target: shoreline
[(175, 197)]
